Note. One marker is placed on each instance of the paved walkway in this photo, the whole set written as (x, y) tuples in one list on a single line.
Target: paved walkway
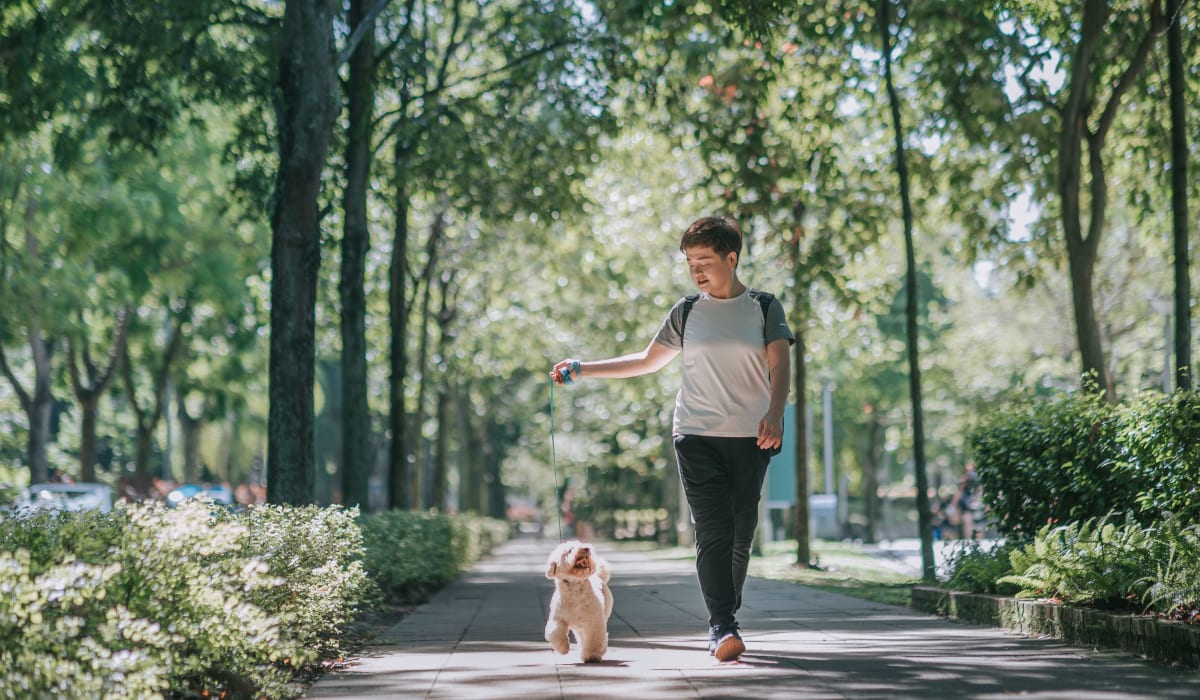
[(481, 637)]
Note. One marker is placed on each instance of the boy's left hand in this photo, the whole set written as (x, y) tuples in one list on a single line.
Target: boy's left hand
[(770, 434)]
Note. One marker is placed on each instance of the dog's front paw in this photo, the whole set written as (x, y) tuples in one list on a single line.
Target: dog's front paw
[(557, 636)]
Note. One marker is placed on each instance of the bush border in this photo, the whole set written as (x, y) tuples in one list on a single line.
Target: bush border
[(1165, 641)]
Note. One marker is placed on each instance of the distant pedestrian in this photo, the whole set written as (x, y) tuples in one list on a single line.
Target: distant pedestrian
[(967, 501), (728, 414)]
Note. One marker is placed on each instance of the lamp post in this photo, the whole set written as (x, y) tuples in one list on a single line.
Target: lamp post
[(827, 421), (1165, 307)]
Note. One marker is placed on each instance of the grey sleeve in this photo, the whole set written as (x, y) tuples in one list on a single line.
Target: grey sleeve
[(776, 324), (670, 332)]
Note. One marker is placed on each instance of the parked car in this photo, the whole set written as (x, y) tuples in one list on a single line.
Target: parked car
[(56, 496), (219, 494)]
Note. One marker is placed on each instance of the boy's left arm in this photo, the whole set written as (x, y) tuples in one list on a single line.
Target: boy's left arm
[(779, 364)]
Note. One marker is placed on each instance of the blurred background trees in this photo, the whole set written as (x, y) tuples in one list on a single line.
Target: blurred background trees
[(504, 186)]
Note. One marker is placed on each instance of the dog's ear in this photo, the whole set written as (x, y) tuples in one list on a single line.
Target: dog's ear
[(602, 570), (551, 569)]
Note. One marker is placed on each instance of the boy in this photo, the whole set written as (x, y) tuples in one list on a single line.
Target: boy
[(728, 413)]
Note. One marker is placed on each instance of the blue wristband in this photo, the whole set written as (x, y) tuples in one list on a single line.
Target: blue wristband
[(566, 372)]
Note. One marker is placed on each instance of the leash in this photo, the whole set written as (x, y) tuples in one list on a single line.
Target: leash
[(554, 466), (565, 373)]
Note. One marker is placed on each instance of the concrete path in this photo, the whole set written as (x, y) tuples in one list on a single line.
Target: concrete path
[(481, 637)]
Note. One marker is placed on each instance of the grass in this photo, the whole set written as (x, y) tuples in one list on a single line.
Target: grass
[(841, 568)]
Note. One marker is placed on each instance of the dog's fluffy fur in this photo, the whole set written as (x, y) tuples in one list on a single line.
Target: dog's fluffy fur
[(581, 603)]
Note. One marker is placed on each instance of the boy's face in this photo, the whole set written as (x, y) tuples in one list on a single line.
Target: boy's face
[(711, 272)]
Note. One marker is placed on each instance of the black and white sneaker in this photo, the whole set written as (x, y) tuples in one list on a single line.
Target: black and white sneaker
[(725, 643)]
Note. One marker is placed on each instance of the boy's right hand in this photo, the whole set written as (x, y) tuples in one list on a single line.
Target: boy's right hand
[(566, 372)]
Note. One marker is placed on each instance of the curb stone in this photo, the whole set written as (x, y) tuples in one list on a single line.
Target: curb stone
[(1165, 641)]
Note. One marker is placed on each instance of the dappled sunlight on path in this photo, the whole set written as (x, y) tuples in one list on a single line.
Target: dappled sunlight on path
[(481, 637)]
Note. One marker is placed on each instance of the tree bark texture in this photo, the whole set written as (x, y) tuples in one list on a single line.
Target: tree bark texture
[(1179, 196), (399, 467), (924, 517), (147, 418), (41, 405), (800, 311), (87, 391), (1076, 131), (471, 493), (305, 110), (356, 419)]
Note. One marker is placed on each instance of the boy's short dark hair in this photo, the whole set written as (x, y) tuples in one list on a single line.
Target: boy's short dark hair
[(717, 232)]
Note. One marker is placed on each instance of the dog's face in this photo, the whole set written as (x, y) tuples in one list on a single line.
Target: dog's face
[(571, 560)]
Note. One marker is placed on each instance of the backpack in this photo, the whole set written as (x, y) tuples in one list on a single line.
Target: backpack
[(764, 301)]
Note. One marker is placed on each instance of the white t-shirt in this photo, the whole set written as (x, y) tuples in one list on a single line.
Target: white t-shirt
[(726, 387)]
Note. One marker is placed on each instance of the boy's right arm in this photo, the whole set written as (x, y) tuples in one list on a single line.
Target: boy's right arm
[(653, 358)]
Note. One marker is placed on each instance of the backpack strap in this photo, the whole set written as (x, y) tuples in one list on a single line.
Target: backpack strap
[(764, 302), (688, 301)]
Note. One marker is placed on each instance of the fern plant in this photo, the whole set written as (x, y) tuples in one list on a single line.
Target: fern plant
[(974, 567), (1176, 583), (1095, 561)]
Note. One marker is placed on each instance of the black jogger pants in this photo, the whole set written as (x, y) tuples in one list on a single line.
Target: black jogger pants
[(722, 479)]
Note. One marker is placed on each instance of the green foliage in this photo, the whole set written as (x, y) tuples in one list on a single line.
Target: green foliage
[(1094, 561), (318, 553), (1176, 580), (1076, 457), (1162, 440), (1101, 562), (977, 569), (147, 601), (408, 554)]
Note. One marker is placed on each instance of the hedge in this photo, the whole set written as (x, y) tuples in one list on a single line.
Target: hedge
[(408, 554), (149, 602), (1076, 457)]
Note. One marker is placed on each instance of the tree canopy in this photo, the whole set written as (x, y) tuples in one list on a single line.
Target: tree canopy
[(206, 259)]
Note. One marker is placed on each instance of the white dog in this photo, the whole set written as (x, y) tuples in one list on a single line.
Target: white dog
[(581, 603)]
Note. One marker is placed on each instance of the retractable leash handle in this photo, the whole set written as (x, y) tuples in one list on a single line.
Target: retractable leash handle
[(567, 371)]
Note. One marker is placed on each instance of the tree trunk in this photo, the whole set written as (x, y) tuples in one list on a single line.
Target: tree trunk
[(471, 493), (305, 111), (801, 514), (190, 427), (146, 419), (1081, 249), (399, 467), (89, 412), (1179, 197), (87, 392), (420, 492), (441, 458), (41, 405), (38, 410), (494, 456), (924, 518), (144, 441), (800, 378), (870, 491), (446, 391), (356, 419)]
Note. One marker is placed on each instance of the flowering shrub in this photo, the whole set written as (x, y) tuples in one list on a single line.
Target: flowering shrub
[(408, 554), (146, 602), (149, 602), (317, 553)]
